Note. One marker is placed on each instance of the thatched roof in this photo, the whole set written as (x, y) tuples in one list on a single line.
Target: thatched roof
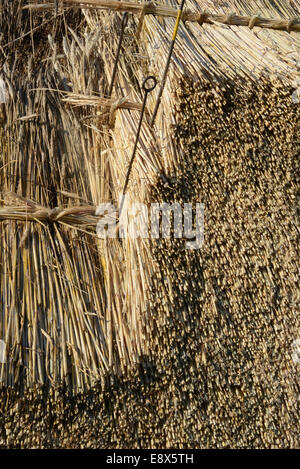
[(197, 343)]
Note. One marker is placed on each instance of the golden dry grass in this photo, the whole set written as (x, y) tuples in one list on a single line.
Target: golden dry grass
[(198, 344)]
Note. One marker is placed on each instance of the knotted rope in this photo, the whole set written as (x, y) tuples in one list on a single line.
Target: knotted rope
[(253, 21), (32, 211)]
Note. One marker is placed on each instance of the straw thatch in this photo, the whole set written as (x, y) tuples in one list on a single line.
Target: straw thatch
[(142, 343)]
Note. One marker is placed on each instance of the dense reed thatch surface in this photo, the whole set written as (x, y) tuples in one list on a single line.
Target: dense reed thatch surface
[(142, 343)]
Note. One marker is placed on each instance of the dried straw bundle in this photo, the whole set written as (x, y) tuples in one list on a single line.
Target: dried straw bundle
[(211, 330), (149, 8)]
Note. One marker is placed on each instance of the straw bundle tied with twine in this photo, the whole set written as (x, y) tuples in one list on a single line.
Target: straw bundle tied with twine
[(160, 346)]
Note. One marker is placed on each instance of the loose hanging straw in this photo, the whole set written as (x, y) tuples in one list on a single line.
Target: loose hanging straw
[(168, 63)]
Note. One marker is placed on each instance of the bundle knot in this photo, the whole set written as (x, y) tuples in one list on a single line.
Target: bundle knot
[(197, 17), (146, 8), (47, 214), (290, 23), (114, 106), (229, 18)]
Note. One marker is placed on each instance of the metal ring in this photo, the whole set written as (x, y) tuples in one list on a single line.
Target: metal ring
[(125, 20), (149, 88)]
